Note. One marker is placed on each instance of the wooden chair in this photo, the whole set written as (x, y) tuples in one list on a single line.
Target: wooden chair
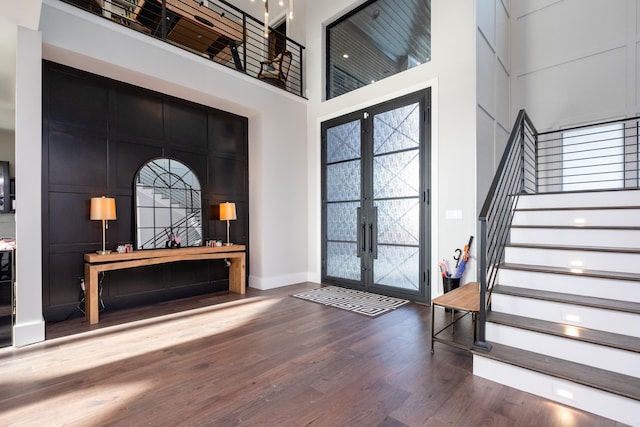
[(276, 71)]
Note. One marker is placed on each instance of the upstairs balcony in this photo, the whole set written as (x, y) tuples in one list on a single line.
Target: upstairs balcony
[(215, 30)]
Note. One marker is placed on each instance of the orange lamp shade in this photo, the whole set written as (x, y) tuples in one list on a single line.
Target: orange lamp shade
[(103, 208), (227, 211)]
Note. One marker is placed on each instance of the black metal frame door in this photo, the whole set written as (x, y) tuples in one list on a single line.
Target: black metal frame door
[(375, 187)]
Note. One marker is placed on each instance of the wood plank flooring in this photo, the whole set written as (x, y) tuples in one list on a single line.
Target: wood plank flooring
[(262, 359)]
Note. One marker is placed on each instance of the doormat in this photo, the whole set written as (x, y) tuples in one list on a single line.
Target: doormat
[(365, 303)]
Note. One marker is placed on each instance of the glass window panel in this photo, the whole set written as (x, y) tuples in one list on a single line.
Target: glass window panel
[(342, 261), (343, 181), (399, 221), (397, 266), (397, 129), (343, 142), (342, 221), (377, 40), (593, 158), (397, 175)]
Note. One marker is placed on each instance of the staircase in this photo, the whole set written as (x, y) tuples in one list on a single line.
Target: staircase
[(564, 322)]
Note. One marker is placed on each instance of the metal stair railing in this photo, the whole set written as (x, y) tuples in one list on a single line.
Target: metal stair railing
[(598, 156), (515, 175)]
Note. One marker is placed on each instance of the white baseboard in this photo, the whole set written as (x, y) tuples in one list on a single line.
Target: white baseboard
[(28, 333), (265, 283)]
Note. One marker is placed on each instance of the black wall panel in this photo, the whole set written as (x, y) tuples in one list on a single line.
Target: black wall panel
[(76, 156), (77, 101), (135, 113), (97, 133)]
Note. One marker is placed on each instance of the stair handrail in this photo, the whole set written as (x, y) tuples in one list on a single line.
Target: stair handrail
[(516, 174)]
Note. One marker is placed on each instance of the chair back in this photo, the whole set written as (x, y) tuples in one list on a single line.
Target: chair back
[(285, 64)]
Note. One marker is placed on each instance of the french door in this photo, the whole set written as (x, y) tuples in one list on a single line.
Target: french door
[(375, 212)]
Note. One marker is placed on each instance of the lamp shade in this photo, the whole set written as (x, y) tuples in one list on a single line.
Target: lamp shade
[(227, 211), (103, 208)]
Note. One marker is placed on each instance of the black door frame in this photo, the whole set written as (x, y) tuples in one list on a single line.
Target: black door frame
[(423, 97)]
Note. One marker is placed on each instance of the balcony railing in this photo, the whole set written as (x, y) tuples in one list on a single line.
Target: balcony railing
[(212, 29)]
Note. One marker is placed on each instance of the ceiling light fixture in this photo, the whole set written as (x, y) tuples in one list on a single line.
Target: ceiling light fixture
[(266, 13), (266, 18)]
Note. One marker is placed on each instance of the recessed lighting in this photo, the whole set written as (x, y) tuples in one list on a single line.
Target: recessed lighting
[(373, 81), (345, 55), (564, 393), (571, 317)]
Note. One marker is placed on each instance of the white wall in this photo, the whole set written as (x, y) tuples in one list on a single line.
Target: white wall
[(451, 77), (575, 61), (493, 89)]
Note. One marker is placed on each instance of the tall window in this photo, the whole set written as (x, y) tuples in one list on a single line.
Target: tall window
[(377, 40), (593, 158)]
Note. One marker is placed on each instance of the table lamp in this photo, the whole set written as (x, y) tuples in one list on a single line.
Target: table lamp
[(227, 213), (104, 209)]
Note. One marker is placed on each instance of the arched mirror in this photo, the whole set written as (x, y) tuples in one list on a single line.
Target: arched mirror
[(168, 202)]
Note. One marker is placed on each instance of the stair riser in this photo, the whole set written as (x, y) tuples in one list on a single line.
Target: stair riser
[(573, 218), (571, 284), (590, 260), (588, 317), (598, 402), (615, 360), (576, 237), (587, 199)]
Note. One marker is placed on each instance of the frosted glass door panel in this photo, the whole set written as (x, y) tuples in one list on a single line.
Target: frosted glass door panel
[(343, 180), (396, 195)]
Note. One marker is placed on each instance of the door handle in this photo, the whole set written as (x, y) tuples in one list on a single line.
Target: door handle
[(373, 234), (360, 234)]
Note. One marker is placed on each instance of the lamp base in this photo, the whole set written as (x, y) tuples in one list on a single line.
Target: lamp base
[(103, 252), (228, 244)]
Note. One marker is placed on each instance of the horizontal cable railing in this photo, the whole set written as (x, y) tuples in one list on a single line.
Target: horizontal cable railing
[(593, 157), (212, 29), (600, 156)]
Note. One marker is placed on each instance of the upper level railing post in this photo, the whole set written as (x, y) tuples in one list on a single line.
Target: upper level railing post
[(163, 20)]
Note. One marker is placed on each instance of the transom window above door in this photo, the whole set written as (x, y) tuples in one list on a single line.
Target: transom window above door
[(377, 40)]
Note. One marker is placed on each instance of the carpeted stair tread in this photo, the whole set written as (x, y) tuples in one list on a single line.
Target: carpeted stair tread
[(612, 382), (609, 339), (602, 303), (601, 274)]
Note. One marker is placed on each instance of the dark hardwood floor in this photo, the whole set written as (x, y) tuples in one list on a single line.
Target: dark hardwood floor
[(263, 359)]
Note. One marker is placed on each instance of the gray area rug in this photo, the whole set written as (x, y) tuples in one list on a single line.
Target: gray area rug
[(365, 303)]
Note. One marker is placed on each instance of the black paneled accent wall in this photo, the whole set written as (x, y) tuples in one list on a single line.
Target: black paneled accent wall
[(97, 133)]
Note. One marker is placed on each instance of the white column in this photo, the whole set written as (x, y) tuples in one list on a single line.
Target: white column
[(29, 321)]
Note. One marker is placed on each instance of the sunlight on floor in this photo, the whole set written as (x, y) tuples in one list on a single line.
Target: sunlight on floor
[(62, 359)]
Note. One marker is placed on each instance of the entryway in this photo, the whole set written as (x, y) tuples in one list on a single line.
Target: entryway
[(375, 198)]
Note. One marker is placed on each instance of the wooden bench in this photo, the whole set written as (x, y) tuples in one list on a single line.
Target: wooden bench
[(465, 299)]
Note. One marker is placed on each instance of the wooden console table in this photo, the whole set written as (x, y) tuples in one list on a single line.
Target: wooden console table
[(95, 263)]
